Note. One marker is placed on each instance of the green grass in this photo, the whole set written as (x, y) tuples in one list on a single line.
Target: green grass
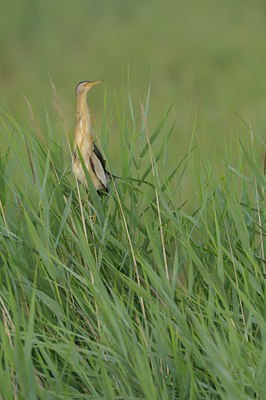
[(162, 298)]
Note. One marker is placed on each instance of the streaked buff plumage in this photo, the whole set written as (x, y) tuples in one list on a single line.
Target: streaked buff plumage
[(84, 135)]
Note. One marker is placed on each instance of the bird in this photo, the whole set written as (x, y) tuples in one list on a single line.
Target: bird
[(84, 146)]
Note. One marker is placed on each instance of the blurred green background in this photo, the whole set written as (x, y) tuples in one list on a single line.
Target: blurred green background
[(209, 55)]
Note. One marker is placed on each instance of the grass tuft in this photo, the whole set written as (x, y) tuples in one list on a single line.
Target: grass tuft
[(162, 298)]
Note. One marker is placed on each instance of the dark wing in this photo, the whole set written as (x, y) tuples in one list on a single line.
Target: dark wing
[(103, 162), (98, 169), (99, 156)]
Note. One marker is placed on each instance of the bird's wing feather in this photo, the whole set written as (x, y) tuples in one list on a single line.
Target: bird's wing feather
[(108, 174), (98, 169), (99, 155)]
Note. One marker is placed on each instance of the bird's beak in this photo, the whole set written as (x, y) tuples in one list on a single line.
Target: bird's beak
[(93, 83)]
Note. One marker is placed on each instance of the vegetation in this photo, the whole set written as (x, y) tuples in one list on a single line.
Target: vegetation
[(163, 297), (159, 299)]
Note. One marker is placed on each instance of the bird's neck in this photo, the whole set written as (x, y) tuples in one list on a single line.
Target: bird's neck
[(84, 130), (83, 114)]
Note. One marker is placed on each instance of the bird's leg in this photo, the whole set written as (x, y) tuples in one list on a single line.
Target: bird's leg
[(92, 217), (81, 203), (92, 214)]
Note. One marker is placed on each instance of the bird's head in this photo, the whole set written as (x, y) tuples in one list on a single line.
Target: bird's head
[(84, 86)]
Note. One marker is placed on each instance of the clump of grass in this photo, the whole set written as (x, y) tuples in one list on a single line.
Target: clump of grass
[(157, 300)]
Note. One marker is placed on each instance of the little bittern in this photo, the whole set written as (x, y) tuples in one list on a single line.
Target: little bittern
[(88, 150)]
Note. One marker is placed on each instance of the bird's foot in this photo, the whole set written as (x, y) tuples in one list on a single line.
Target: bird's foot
[(93, 218)]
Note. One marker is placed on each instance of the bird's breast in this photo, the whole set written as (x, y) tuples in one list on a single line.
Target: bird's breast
[(78, 170), (84, 139)]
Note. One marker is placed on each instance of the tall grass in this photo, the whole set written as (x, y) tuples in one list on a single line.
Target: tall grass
[(159, 299)]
